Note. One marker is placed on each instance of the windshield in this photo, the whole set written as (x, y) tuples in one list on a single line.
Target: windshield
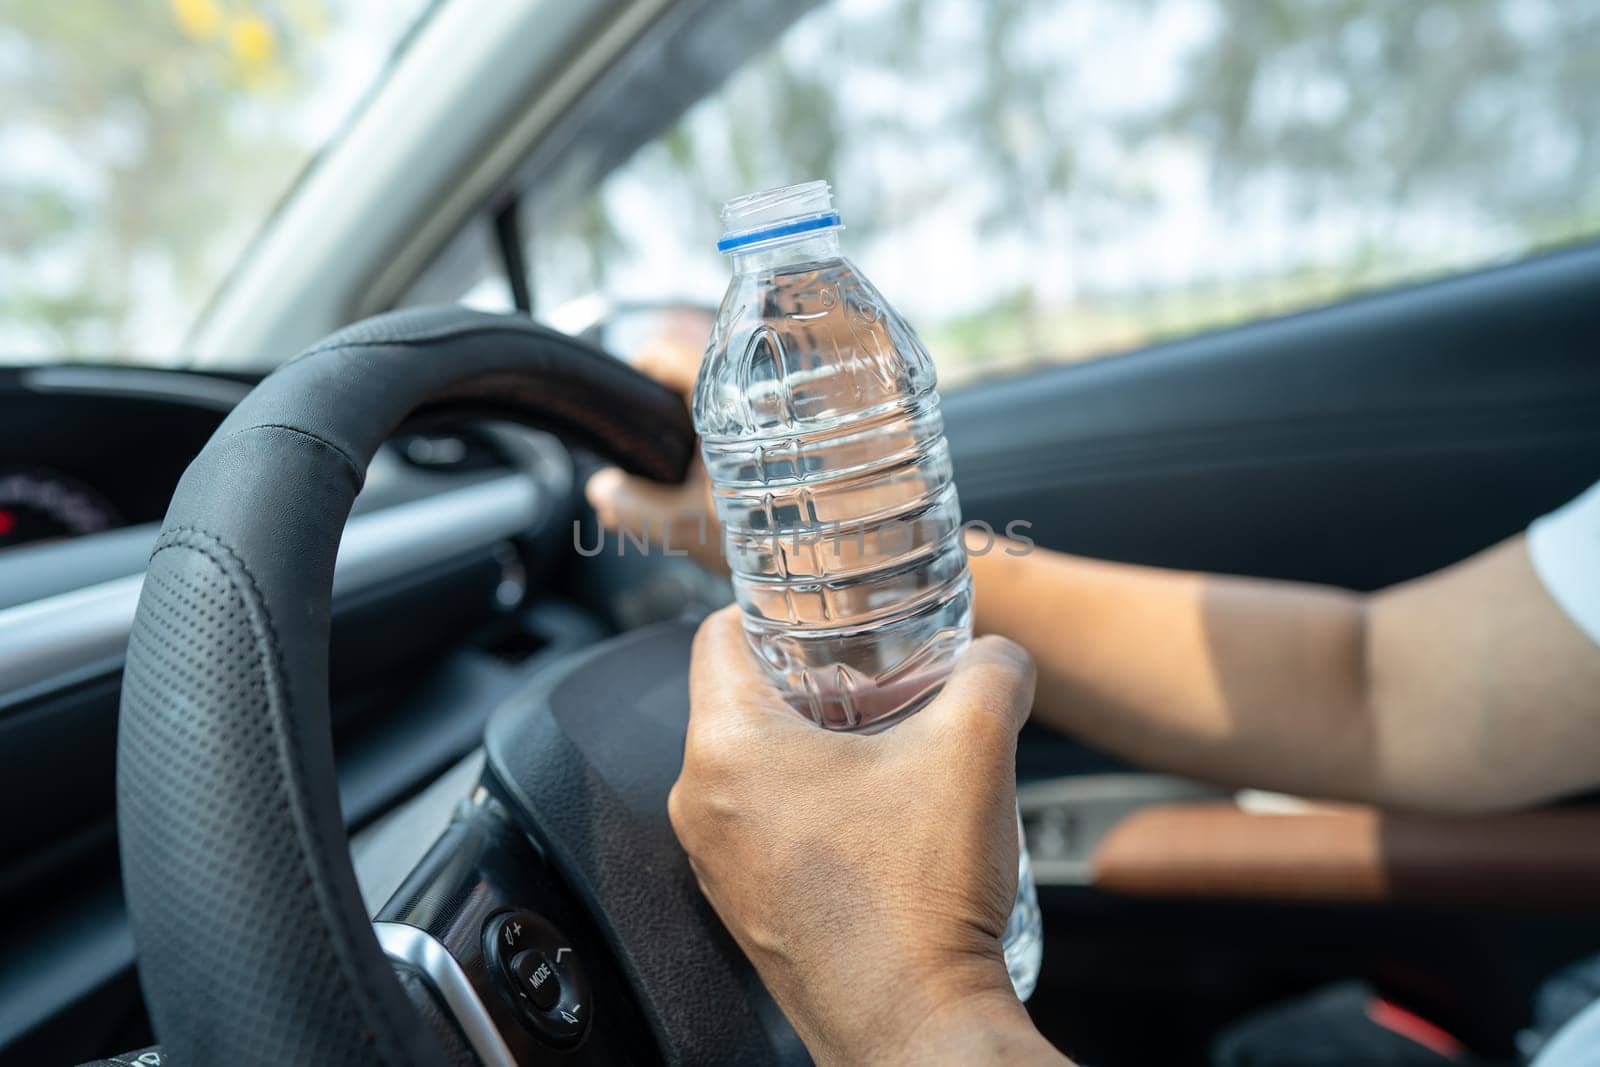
[(144, 142)]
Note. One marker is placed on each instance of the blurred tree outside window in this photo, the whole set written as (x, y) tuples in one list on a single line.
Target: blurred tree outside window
[(144, 142), (1047, 180)]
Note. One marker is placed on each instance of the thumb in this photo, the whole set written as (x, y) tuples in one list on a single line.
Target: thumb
[(728, 690)]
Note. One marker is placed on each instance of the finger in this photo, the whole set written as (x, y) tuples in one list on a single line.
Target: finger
[(621, 500), (680, 515), (726, 684), (991, 686), (601, 492)]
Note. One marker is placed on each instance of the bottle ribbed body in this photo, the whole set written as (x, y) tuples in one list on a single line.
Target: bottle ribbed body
[(831, 477)]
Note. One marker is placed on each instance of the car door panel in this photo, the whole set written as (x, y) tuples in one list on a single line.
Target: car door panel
[(1358, 445)]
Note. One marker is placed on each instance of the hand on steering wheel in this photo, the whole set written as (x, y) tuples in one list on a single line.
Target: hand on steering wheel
[(676, 516)]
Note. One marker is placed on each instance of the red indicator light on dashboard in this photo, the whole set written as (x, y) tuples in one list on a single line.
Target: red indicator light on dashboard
[(8, 522)]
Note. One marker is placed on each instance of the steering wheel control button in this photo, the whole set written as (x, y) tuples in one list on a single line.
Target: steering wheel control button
[(538, 969), (536, 979)]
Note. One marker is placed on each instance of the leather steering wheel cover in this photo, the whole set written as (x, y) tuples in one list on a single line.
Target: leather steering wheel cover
[(254, 946)]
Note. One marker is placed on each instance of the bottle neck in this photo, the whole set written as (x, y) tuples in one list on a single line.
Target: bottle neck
[(774, 255)]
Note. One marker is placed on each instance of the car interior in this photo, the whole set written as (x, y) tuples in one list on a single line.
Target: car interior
[(385, 725)]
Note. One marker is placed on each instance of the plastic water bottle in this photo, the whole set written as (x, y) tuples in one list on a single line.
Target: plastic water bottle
[(821, 431)]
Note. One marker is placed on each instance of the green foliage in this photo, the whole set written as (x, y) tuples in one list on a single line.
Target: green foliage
[(1377, 117), (149, 127), (141, 141)]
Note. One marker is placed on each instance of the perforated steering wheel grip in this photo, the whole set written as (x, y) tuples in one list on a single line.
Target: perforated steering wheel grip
[(253, 943)]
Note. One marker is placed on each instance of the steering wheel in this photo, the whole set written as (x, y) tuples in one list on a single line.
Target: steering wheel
[(557, 919)]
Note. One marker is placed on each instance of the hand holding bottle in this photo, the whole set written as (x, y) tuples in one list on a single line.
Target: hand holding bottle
[(867, 877)]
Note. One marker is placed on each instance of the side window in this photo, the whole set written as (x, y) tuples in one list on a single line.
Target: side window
[(470, 270), (1034, 181)]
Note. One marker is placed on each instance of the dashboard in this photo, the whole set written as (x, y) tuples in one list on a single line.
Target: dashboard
[(89, 449), (448, 593)]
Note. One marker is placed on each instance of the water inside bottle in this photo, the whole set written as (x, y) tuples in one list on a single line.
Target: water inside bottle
[(832, 480), (821, 431)]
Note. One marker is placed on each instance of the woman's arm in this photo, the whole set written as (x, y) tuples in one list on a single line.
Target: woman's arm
[(1465, 690), (1468, 689)]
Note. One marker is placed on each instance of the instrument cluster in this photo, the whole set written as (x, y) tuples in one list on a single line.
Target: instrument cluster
[(42, 504)]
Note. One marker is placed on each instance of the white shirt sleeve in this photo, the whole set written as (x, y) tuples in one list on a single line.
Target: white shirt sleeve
[(1565, 548), (1575, 1044)]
